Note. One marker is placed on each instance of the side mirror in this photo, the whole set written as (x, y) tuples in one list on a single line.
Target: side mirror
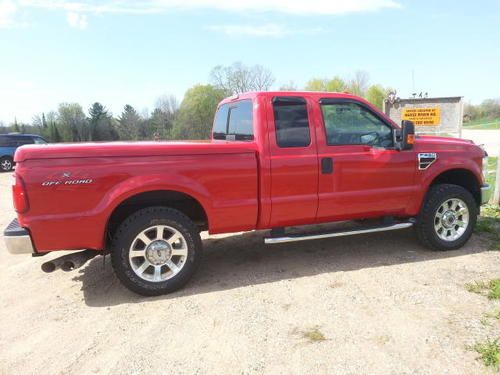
[(407, 135)]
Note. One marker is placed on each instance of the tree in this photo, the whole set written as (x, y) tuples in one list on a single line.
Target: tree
[(316, 84), (359, 84), (376, 95), (169, 105), (73, 122), (100, 124), (290, 86), (128, 123), (197, 111), (160, 124), (15, 126), (336, 84), (239, 78), (490, 108), (162, 118), (54, 135)]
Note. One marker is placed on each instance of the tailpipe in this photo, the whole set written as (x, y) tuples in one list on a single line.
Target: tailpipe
[(69, 262)]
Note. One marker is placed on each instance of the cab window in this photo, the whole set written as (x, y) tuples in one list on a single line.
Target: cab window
[(234, 121), (352, 124), (291, 122)]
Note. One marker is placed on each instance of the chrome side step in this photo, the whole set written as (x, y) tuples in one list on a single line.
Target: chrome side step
[(318, 236)]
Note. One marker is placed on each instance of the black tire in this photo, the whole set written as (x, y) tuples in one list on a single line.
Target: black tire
[(139, 221), (6, 164), (436, 196)]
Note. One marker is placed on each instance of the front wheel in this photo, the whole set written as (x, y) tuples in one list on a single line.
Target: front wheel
[(447, 217), (155, 251), (6, 164)]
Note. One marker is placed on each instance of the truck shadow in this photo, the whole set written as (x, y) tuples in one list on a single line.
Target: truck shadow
[(241, 260)]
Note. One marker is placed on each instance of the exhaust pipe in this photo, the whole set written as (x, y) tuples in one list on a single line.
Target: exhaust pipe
[(51, 265), (69, 262)]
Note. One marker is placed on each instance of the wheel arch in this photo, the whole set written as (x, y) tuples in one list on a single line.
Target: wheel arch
[(459, 176)]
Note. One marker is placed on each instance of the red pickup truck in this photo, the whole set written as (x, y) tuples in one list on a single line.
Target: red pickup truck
[(275, 160)]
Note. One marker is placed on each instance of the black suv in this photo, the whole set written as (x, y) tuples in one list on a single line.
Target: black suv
[(10, 142)]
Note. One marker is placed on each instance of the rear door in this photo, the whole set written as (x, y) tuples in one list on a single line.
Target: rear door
[(294, 162), (8, 145), (362, 174)]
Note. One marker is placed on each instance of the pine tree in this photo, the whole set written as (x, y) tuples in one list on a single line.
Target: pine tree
[(100, 123), (16, 126), (129, 123)]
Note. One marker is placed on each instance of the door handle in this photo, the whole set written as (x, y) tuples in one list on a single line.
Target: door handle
[(326, 165)]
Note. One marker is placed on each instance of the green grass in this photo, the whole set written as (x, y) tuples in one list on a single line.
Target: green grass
[(483, 124), (489, 352), (489, 223), (490, 289), (312, 335), (493, 314), (492, 169)]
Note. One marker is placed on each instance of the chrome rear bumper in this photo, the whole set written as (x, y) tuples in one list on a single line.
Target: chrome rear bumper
[(17, 239), (485, 194)]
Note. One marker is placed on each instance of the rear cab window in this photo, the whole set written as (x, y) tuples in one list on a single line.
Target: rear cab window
[(234, 121), (291, 122)]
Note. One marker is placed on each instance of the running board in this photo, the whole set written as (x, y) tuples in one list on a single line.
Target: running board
[(318, 236)]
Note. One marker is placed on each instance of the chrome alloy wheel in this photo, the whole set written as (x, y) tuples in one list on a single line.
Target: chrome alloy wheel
[(451, 219), (158, 253), (6, 165)]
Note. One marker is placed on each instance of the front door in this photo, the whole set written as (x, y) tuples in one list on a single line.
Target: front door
[(362, 174)]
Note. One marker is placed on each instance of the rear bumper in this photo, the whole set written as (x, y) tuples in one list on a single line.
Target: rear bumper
[(485, 193), (17, 239)]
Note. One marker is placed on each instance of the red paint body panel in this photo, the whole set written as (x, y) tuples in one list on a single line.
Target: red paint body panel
[(240, 185)]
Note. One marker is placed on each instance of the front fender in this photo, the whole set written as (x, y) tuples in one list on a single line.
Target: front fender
[(443, 165)]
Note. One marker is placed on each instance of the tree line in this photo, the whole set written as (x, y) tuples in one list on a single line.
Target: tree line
[(489, 109), (191, 119)]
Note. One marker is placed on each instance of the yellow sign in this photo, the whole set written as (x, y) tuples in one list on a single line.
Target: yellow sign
[(422, 116)]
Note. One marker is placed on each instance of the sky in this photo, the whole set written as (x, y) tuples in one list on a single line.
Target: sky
[(121, 52)]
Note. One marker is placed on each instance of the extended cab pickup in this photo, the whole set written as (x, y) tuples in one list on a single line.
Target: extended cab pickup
[(275, 160)]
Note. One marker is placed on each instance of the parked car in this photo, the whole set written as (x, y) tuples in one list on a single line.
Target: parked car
[(9, 144), (276, 160)]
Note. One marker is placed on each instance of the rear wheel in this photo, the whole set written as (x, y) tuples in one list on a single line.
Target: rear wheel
[(155, 251), (447, 217), (6, 164)]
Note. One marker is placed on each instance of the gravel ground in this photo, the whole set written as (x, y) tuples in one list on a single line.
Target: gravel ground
[(377, 304), (489, 138)]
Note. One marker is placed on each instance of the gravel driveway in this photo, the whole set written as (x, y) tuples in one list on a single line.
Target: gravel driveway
[(489, 138), (377, 304)]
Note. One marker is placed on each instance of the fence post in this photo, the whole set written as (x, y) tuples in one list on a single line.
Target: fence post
[(496, 194)]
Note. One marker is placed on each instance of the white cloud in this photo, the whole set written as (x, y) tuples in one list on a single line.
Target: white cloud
[(267, 30), (300, 7), (78, 10), (77, 20), (23, 85), (7, 11), (249, 30)]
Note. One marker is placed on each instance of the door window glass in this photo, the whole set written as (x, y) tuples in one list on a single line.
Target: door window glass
[(352, 124), (291, 122)]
